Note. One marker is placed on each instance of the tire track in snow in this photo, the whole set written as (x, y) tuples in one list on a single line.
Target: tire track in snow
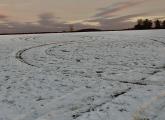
[(158, 41), (21, 59), (153, 109), (142, 82), (19, 54), (76, 104)]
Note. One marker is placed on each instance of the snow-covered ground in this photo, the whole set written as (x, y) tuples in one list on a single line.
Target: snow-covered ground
[(83, 76)]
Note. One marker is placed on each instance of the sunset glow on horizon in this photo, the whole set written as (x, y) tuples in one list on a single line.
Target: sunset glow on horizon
[(56, 15)]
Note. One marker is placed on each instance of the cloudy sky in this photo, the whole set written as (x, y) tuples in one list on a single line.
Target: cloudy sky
[(57, 15)]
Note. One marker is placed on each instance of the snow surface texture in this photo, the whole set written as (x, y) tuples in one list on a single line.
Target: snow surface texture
[(83, 76)]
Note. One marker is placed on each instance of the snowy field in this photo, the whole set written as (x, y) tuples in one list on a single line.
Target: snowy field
[(83, 76)]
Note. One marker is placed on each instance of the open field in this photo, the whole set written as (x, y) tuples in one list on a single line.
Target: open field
[(83, 76)]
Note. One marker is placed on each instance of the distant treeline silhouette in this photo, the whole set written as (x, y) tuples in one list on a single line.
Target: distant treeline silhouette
[(149, 24)]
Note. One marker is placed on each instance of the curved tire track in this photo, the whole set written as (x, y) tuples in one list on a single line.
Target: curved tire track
[(20, 58), (19, 54)]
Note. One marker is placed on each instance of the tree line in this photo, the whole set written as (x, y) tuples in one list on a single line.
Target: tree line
[(149, 24)]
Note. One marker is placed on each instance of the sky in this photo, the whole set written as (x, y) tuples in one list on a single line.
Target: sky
[(58, 15)]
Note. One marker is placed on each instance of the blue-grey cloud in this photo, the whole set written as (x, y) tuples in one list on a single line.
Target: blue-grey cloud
[(122, 22), (46, 23), (111, 10)]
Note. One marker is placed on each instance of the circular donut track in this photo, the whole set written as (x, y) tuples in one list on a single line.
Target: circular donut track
[(19, 56)]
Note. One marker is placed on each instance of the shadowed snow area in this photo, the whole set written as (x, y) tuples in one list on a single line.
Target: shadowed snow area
[(83, 76)]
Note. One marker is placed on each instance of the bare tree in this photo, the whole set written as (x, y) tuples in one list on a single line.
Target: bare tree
[(163, 24), (143, 24), (147, 24), (157, 24), (139, 24)]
